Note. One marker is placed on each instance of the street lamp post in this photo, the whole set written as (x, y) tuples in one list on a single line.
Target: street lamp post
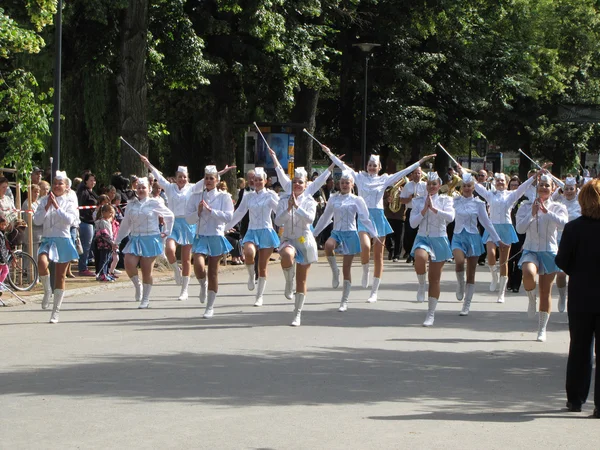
[(366, 48)]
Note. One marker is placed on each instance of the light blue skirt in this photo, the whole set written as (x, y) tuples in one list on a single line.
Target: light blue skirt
[(506, 231), (58, 249), (544, 261), (380, 223), (263, 238), (349, 242), (183, 233), (469, 243), (146, 246), (305, 248), (211, 245), (437, 247)]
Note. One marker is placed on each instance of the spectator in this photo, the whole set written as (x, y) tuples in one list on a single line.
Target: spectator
[(31, 205), (86, 197), (515, 275), (44, 188), (578, 257), (7, 206), (4, 252)]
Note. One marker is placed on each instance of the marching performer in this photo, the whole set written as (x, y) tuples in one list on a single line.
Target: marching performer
[(371, 188), (344, 208), (540, 221), (183, 233), (141, 224), (431, 214), (466, 242), (501, 202), (308, 190), (569, 199), (261, 236), (56, 213), (209, 211), (296, 214)]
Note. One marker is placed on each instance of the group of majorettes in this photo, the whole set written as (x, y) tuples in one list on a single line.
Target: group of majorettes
[(198, 215)]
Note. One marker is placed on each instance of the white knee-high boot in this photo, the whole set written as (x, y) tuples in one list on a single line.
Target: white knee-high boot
[(298, 304), (262, 284), (203, 288), (176, 273), (502, 289), (58, 298), (211, 296), (366, 276), (185, 282), (250, 270), (542, 322), (562, 299), (45, 280), (335, 272), (460, 287), (422, 287), (145, 296), (374, 289), (138, 287), (468, 298), (532, 307), (494, 283), (288, 273), (430, 312), (345, 294)]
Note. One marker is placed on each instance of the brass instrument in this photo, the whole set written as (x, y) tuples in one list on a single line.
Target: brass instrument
[(450, 188), (395, 204)]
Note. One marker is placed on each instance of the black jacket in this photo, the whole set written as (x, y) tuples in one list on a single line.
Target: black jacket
[(578, 256)]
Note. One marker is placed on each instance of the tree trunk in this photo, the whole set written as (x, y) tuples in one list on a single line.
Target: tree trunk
[(305, 111), (131, 85), (223, 143)]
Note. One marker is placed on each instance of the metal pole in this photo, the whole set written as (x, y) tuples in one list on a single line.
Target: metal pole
[(364, 117), (57, 89)]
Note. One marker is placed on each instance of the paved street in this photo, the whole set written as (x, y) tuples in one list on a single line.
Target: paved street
[(112, 376)]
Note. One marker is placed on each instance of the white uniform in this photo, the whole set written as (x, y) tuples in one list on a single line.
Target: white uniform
[(297, 228), (260, 205), (431, 234), (411, 188)]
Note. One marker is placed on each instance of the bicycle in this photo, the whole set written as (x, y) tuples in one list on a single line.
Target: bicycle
[(23, 270)]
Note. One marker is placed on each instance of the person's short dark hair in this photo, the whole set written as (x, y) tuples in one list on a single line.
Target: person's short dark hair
[(36, 170), (3, 180), (276, 184), (117, 197), (87, 176)]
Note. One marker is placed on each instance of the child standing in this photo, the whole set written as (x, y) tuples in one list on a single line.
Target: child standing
[(4, 254), (104, 240)]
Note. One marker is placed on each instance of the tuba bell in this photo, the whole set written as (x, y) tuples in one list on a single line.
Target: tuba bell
[(395, 204)]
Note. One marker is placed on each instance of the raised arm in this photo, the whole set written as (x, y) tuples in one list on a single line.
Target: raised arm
[(485, 221), (314, 187), (481, 190), (394, 178), (338, 162), (239, 213), (325, 218)]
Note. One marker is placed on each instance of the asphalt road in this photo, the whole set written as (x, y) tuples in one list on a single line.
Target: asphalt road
[(112, 376)]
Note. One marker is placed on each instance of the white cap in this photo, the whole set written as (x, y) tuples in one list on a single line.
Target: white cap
[(467, 177), (142, 181), (375, 159), (347, 175), (60, 175), (500, 176), (300, 172), (546, 178), (260, 172), (570, 181), (433, 176), (587, 179), (211, 170), (182, 169)]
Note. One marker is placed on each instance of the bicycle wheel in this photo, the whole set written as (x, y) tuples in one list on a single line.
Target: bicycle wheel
[(23, 275)]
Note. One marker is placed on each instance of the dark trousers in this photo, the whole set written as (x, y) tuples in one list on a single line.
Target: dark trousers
[(103, 258), (515, 275), (582, 329), (483, 256), (394, 239), (410, 234)]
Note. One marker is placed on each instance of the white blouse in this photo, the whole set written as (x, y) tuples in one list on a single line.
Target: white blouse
[(501, 203), (541, 230), (176, 197), (297, 223), (372, 187), (141, 218), (411, 188), (432, 224), (344, 208), (573, 206), (56, 222), (260, 204), (467, 211), (210, 223)]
